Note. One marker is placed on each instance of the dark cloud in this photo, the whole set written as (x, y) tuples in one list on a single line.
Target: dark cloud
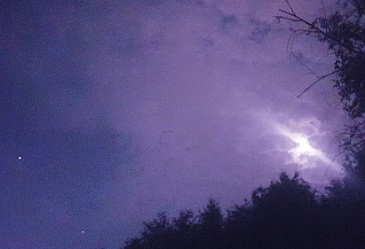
[(260, 31), (229, 22), (205, 43)]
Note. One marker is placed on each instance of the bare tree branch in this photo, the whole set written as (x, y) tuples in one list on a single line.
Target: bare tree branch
[(292, 10), (313, 28), (315, 82)]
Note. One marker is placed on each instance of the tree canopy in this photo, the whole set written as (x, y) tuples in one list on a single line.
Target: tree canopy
[(344, 33), (287, 214)]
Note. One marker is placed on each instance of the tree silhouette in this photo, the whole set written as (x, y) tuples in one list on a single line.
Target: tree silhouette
[(284, 213), (185, 230), (210, 225), (156, 234), (239, 227), (344, 33), (342, 212)]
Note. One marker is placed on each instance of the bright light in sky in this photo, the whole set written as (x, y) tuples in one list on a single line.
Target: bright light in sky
[(303, 151), (303, 147)]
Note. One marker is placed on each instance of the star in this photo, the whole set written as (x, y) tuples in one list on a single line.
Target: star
[(19, 158)]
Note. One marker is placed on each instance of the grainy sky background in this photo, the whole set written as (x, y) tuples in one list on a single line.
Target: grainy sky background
[(112, 111)]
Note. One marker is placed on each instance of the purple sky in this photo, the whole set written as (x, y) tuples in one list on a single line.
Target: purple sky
[(112, 111)]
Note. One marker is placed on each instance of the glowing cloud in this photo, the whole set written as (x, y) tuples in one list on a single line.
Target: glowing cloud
[(303, 151)]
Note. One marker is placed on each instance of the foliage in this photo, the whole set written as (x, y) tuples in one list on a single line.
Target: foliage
[(288, 214), (293, 204), (344, 33), (342, 212)]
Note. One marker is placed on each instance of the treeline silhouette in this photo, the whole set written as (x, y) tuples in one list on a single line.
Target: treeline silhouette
[(288, 214)]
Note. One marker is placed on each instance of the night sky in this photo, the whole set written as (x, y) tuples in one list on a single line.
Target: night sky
[(112, 111)]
